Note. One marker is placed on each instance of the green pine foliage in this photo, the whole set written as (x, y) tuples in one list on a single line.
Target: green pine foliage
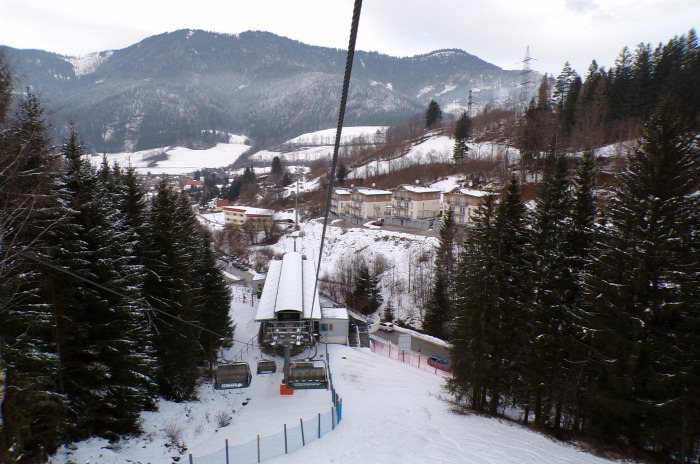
[(492, 322), (105, 361), (32, 410), (433, 115), (366, 295), (643, 296), (216, 302), (170, 252), (463, 134), (439, 312)]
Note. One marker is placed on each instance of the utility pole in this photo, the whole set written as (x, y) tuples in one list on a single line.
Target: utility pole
[(299, 173)]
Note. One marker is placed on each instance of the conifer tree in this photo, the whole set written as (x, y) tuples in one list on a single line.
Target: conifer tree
[(105, 359), (366, 296), (439, 311), (463, 133), (32, 412), (216, 302), (433, 115), (388, 313), (474, 354), (551, 320), (643, 292), (493, 287), (170, 287)]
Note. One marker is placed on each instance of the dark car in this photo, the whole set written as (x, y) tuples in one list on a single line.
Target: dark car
[(438, 362)]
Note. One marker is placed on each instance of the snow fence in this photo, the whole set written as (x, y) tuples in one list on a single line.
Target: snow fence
[(289, 440)]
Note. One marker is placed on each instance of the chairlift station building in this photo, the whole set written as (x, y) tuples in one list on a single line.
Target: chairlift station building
[(290, 311)]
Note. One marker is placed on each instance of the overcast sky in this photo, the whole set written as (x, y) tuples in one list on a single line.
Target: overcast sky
[(497, 31)]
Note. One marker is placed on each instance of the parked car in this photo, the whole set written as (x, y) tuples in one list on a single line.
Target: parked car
[(438, 362), (378, 223), (386, 326)]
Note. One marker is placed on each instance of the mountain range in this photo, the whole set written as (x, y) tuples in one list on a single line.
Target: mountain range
[(192, 88)]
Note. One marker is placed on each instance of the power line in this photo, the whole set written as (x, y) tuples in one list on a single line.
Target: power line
[(43, 262)]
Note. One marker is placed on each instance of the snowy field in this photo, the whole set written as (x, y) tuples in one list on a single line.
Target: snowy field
[(391, 413), (180, 160)]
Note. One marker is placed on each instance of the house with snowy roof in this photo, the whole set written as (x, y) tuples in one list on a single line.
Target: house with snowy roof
[(258, 218), (369, 203), (463, 202), (340, 201)]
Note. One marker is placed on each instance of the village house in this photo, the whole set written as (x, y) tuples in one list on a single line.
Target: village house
[(257, 218), (369, 203), (414, 206), (340, 201), (463, 202)]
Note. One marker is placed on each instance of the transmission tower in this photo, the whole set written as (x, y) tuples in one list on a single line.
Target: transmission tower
[(526, 80)]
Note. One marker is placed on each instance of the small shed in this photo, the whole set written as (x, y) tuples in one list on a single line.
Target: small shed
[(334, 325)]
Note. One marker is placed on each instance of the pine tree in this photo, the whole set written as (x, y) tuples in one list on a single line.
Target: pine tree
[(366, 296), (439, 311), (433, 115), (643, 291), (463, 134), (491, 327), (388, 314), (216, 303), (32, 412), (105, 359), (474, 358), (170, 288), (342, 173), (551, 321)]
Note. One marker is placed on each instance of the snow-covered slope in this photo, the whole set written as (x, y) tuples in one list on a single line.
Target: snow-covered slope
[(179, 160), (391, 413)]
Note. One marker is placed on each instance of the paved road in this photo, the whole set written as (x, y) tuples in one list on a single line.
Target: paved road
[(418, 344)]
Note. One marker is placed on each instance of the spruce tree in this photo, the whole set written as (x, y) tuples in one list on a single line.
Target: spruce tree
[(169, 287), (366, 295), (216, 302), (551, 320), (439, 311), (643, 293), (474, 357), (105, 359), (433, 115), (463, 133), (32, 412), (491, 328)]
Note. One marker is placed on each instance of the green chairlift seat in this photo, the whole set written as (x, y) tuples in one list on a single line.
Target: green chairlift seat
[(234, 375)]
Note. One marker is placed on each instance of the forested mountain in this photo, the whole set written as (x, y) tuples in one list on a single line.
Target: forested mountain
[(167, 89)]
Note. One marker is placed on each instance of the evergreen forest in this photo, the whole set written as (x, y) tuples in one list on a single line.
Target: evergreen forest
[(109, 299)]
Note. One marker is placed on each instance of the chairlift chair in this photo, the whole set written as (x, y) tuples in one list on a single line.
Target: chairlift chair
[(266, 366), (233, 375), (306, 375)]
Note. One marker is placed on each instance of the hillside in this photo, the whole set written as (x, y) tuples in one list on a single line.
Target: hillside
[(391, 413), (170, 88)]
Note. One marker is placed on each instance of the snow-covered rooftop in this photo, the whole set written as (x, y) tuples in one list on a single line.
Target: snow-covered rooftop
[(334, 313), (249, 210), (419, 189), (371, 191), (470, 192), (289, 286)]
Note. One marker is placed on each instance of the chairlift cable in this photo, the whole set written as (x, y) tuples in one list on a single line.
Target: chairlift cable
[(341, 116)]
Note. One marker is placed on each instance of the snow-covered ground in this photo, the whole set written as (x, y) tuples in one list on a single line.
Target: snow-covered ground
[(180, 160), (391, 413)]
